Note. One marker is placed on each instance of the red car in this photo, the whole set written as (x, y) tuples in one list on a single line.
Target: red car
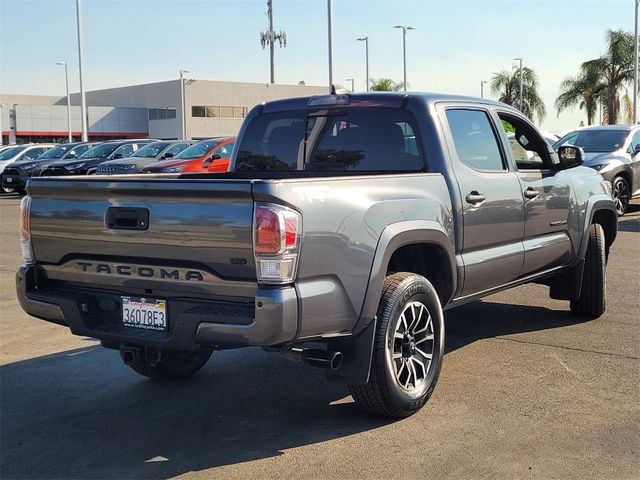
[(211, 155)]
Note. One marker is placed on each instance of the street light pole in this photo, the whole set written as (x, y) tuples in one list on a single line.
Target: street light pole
[(352, 84), (482, 83), (635, 69), (330, 40), (366, 58), (183, 116), (404, 51), (66, 80), (520, 94), (83, 100)]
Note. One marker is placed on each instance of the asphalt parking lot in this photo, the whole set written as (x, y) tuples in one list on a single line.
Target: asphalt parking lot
[(526, 391)]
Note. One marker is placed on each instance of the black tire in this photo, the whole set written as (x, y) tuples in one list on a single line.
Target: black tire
[(621, 195), (6, 190), (175, 365), (384, 393), (592, 294)]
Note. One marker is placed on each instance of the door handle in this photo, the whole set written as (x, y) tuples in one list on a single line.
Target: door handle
[(475, 198), (531, 193)]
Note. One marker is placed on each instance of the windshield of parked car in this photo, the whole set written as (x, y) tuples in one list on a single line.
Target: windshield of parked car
[(56, 152), (100, 151), (197, 150), (10, 152), (595, 141), (354, 139), (150, 150)]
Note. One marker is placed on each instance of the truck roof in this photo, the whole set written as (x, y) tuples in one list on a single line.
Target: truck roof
[(372, 99)]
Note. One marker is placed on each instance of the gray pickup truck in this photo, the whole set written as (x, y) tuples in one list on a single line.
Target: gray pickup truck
[(346, 225)]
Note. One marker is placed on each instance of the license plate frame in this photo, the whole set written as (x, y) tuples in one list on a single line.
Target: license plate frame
[(145, 313)]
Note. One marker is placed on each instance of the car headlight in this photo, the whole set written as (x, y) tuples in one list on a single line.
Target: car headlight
[(128, 167), (176, 169), (75, 166), (27, 166)]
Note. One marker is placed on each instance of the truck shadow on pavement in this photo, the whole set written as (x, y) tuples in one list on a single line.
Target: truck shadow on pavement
[(82, 414)]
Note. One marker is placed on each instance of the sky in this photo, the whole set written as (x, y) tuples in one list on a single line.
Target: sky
[(456, 43)]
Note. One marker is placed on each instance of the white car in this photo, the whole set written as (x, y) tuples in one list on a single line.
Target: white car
[(20, 152)]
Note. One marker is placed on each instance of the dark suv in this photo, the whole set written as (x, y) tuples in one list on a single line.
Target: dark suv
[(149, 154), (16, 175), (88, 162)]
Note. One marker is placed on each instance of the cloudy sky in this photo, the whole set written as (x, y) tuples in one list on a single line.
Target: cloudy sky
[(456, 44)]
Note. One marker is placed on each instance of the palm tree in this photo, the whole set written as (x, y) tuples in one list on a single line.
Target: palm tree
[(615, 68), (385, 85), (585, 90), (506, 86)]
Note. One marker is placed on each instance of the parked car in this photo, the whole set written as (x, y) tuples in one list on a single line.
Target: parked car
[(210, 155), (147, 155), (613, 151), (17, 153), (87, 163), (18, 173), (330, 230)]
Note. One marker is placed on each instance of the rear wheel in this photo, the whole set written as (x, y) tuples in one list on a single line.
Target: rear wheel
[(621, 195), (175, 365), (408, 348), (591, 302)]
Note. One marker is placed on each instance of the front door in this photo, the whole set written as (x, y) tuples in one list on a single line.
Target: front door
[(492, 205), (547, 197)]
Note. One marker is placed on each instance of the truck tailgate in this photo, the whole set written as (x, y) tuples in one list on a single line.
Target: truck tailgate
[(198, 238)]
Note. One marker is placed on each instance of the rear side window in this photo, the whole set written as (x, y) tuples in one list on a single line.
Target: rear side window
[(371, 139), (475, 140)]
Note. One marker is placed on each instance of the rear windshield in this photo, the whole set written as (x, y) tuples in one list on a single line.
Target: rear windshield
[(365, 139)]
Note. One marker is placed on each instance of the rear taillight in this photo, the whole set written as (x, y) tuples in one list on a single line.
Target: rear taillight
[(25, 229), (276, 239)]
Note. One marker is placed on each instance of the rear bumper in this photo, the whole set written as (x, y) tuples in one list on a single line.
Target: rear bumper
[(271, 320)]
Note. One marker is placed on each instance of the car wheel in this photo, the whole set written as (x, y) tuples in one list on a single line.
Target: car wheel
[(408, 348), (175, 365), (6, 189), (621, 195), (591, 302)]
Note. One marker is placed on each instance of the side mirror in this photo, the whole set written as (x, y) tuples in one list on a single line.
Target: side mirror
[(71, 155), (117, 155), (167, 155), (570, 156), (208, 161)]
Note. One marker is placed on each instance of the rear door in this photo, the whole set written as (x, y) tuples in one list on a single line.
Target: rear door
[(493, 215), (547, 195)]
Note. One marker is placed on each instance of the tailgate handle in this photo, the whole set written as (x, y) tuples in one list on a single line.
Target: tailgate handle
[(127, 218)]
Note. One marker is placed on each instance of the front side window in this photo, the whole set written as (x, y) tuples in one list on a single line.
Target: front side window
[(355, 139), (475, 140), (123, 151), (197, 150), (635, 141), (176, 148), (33, 153), (225, 150), (55, 152), (102, 150), (77, 151), (530, 150), (10, 152)]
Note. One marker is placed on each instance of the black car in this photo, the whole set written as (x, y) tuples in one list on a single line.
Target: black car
[(87, 163), (614, 151), (146, 155), (19, 172)]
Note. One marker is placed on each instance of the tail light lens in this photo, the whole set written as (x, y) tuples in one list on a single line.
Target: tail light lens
[(25, 229), (277, 232)]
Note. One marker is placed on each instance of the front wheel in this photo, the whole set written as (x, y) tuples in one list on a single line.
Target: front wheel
[(4, 189), (591, 302), (175, 365), (621, 195), (408, 348)]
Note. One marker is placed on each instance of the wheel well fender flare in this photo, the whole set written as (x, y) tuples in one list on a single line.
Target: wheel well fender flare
[(393, 237), (602, 211)]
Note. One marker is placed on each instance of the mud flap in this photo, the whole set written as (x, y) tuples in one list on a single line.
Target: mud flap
[(567, 285), (357, 353)]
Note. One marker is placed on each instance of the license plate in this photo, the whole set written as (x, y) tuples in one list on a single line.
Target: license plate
[(147, 313), (8, 179)]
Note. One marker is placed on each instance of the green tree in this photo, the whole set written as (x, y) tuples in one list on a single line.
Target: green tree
[(585, 90), (385, 85), (615, 68), (506, 86)]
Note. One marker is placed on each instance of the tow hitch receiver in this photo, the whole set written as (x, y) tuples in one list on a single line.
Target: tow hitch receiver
[(134, 355)]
